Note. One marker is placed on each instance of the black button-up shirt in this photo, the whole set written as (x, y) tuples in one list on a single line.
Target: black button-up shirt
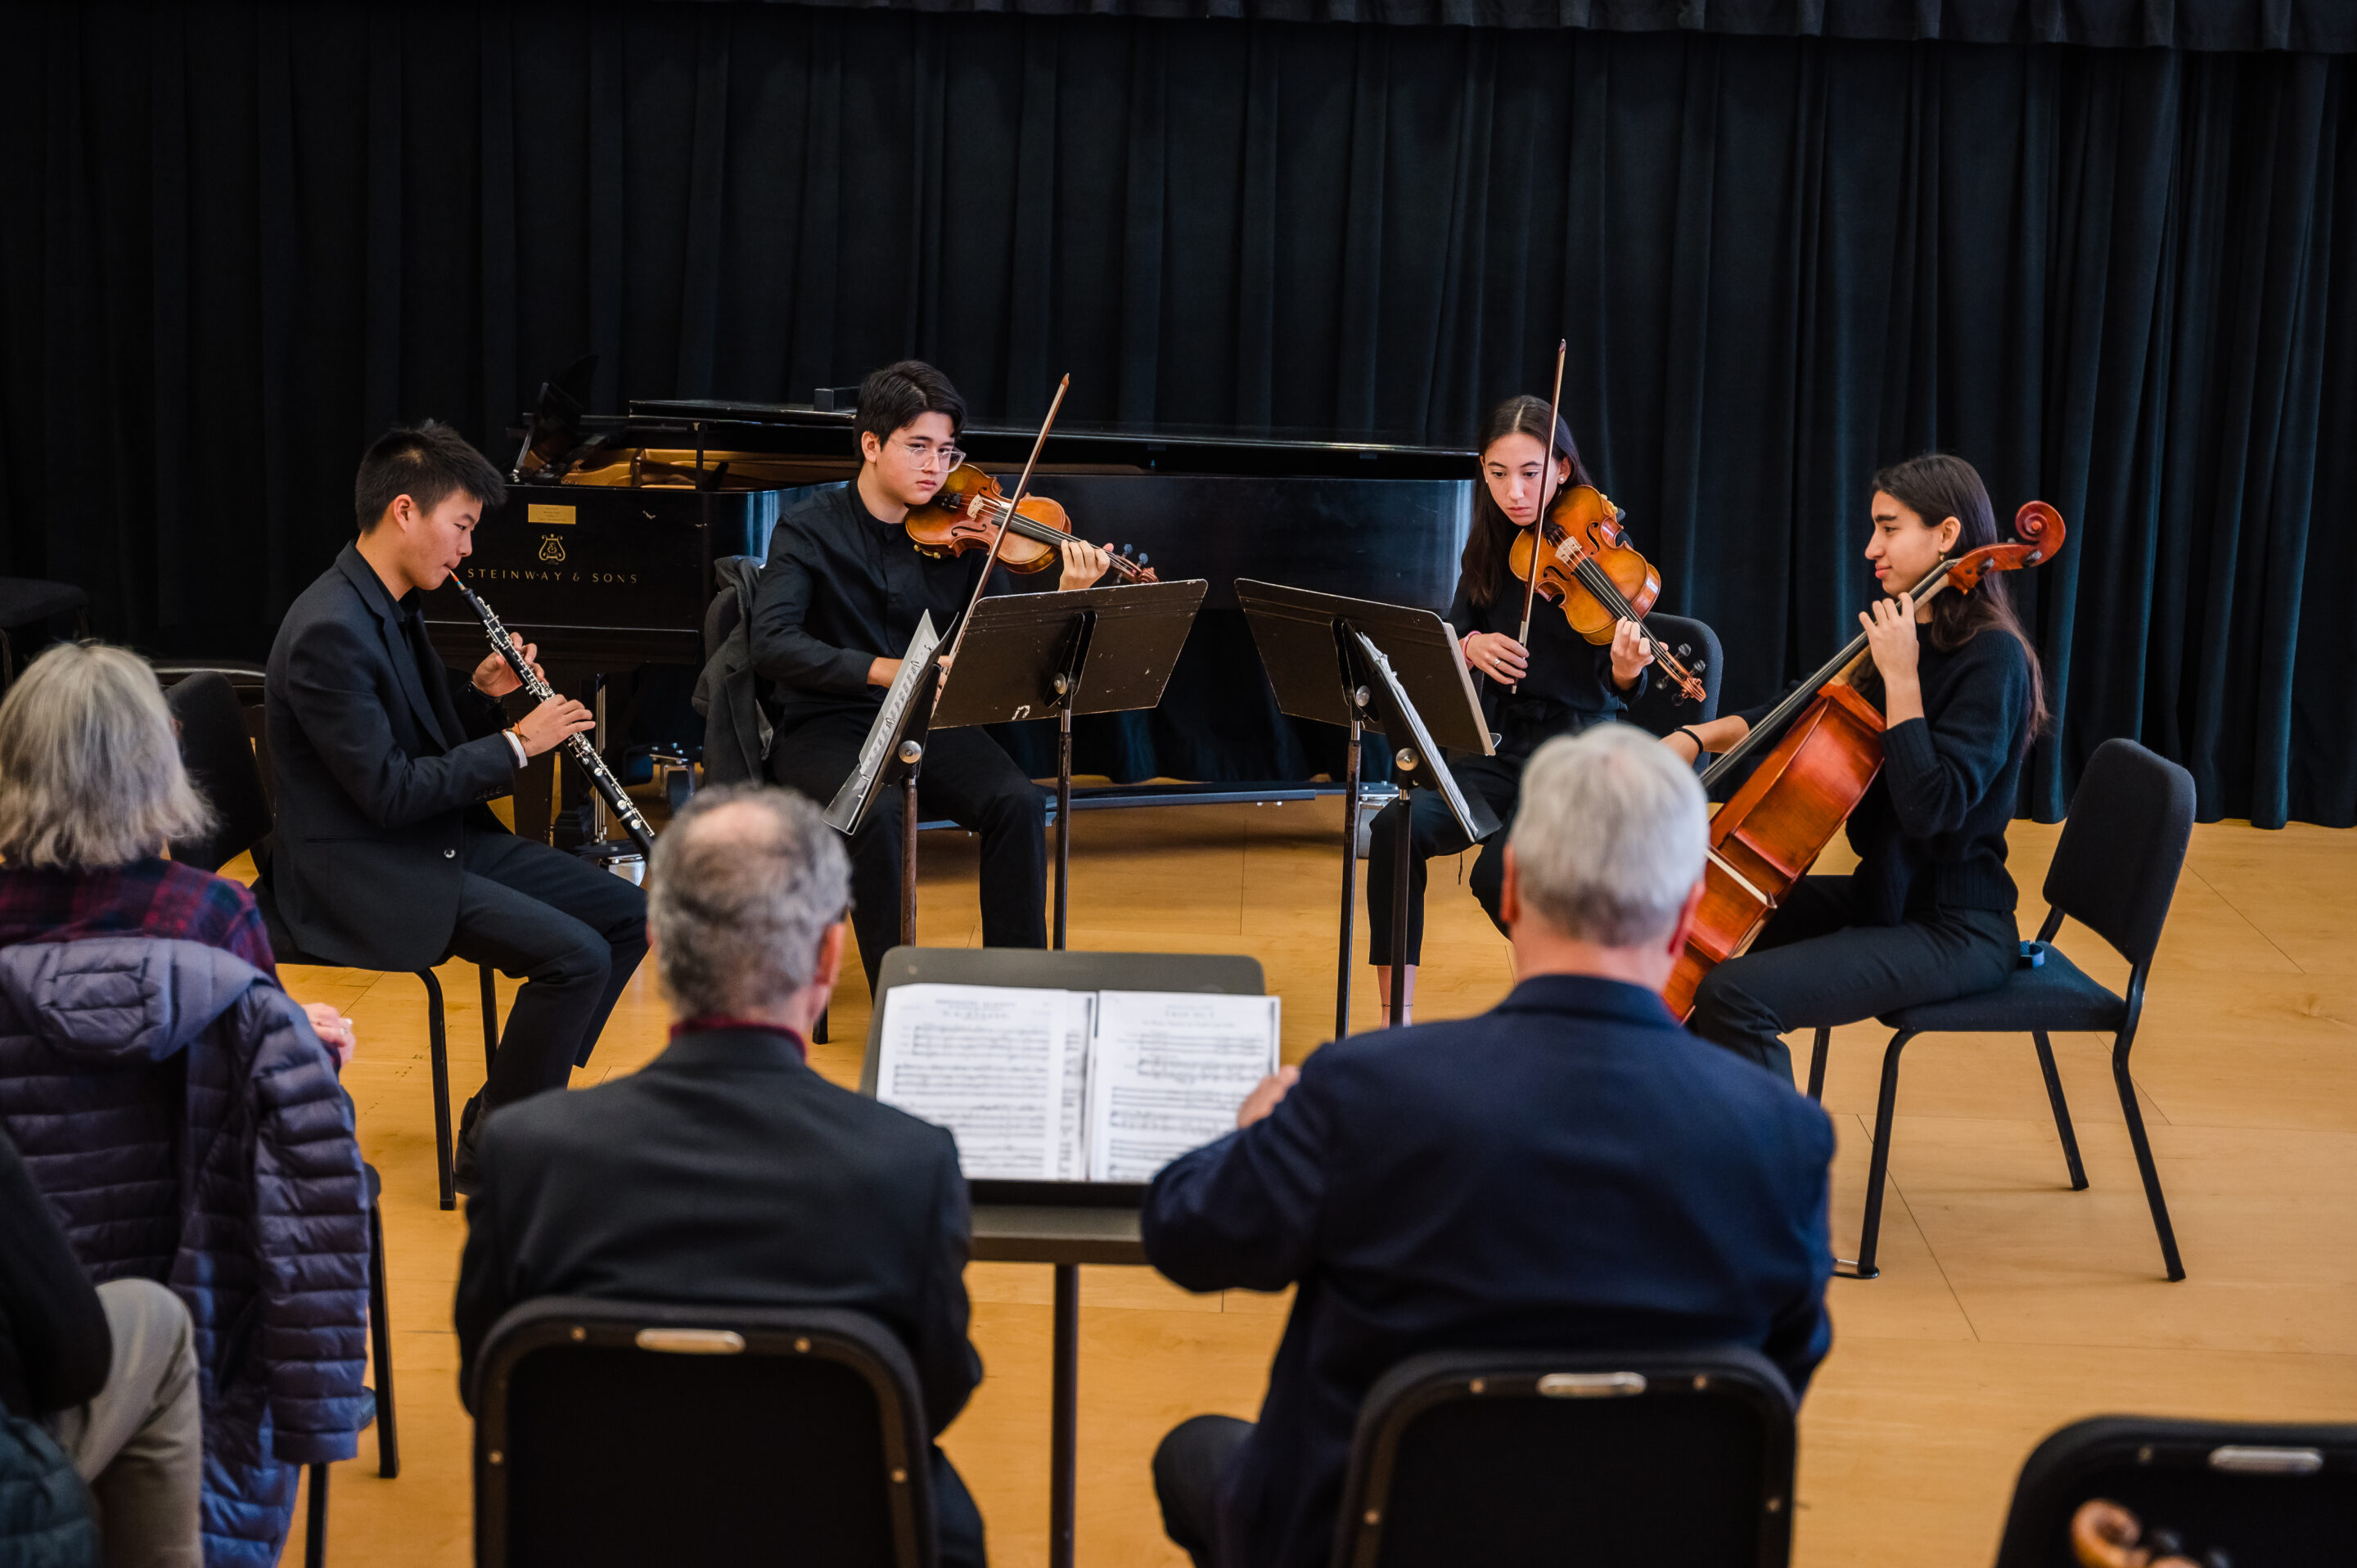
[(840, 590)]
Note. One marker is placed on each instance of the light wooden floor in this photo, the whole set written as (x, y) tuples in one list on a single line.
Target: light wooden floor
[(2008, 1304)]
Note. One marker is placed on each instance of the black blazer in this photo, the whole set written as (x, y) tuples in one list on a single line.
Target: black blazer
[(377, 776), (1568, 1171), (726, 1172)]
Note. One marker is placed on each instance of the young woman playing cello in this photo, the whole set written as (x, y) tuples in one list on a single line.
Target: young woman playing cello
[(1928, 913), (1560, 685)]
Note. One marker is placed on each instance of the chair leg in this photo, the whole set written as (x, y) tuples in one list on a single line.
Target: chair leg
[(2145, 1167), (441, 1049), (491, 1016), (7, 660), (818, 1030), (388, 1434), (315, 1528), (2061, 1110), (1869, 1235), (1817, 1064)]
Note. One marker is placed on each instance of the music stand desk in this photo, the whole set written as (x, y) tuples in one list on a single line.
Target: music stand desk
[(1066, 1223), (1361, 664), (1082, 651)]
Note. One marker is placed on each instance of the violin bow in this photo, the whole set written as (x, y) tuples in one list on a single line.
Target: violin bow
[(1546, 484), (1013, 500)]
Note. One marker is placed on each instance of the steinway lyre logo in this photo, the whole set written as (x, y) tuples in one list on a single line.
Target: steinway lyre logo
[(552, 549)]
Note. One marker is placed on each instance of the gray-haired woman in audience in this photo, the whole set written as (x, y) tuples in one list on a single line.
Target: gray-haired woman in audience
[(91, 792)]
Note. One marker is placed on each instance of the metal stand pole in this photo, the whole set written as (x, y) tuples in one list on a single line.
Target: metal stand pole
[(913, 754), (1404, 846), (1064, 1440), (1350, 865), (1063, 807)]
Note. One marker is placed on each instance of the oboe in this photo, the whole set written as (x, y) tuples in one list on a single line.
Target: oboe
[(584, 750)]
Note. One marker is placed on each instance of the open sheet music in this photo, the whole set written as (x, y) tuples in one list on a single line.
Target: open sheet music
[(1046, 1085), (844, 812)]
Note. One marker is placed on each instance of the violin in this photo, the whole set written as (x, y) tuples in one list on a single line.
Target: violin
[(1768, 835), (1595, 574), (965, 513)]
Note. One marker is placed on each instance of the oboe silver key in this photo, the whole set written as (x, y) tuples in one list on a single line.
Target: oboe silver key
[(583, 750)]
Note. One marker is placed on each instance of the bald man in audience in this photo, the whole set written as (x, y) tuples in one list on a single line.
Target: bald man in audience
[(1571, 1170), (726, 1172)]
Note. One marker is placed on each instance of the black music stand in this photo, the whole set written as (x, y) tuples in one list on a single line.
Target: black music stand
[(903, 757), (1063, 1223), (1089, 650), (1351, 661)]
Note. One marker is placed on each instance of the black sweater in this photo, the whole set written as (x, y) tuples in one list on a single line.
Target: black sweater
[(54, 1342), (1931, 832), (1569, 685)]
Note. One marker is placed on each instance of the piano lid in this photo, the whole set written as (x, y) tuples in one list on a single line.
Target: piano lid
[(1269, 450)]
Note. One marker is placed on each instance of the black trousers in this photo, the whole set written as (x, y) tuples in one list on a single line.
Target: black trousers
[(1433, 830), (1187, 1468), (574, 933), (966, 777), (1814, 966), (957, 1522)]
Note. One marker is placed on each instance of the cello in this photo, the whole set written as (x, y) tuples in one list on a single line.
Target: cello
[(1827, 739)]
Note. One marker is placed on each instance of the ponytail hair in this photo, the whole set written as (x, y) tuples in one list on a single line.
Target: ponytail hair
[(1936, 486)]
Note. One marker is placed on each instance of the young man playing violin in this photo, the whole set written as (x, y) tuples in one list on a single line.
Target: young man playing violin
[(839, 599)]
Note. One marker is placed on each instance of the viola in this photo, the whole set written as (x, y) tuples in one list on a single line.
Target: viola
[(1589, 569), (966, 514), (1766, 838)]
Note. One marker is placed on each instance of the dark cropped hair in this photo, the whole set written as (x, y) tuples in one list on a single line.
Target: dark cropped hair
[(1936, 486), (1484, 563), (428, 463), (892, 398)]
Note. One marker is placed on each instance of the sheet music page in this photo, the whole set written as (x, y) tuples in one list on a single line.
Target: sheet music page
[(1072, 1109), (844, 807), (986, 1062), (1169, 1069)]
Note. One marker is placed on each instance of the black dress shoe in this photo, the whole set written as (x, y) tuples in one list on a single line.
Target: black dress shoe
[(462, 1163)]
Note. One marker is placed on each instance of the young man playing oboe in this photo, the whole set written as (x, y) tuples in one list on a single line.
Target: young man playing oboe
[(387, 857)]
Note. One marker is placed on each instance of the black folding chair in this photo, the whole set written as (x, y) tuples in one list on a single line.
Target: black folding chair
[(1662, 707), (721, 617), (2115, 872), (388, 1434), (612, 1432), (219, 754), (2223, 1494), (1514, 1458)]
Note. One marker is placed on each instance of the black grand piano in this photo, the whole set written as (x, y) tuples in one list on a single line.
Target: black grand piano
[(604, 553)]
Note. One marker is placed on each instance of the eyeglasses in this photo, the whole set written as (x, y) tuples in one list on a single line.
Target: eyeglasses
[(925, 454)]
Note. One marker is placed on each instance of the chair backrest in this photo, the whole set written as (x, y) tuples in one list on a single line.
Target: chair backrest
[(628, 1432), (1664, 1459), (1662, 708), (2249, 1494), (2116, 868), (218, 751)]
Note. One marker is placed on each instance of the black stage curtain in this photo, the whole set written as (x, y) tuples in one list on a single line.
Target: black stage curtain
[(241, 239), (2315, 26)]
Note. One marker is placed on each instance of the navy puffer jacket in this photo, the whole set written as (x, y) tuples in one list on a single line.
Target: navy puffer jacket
[(185, 1123)]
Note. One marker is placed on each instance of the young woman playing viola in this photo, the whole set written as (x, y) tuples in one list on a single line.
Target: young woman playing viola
[(1928, 913), (1560, 683)]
